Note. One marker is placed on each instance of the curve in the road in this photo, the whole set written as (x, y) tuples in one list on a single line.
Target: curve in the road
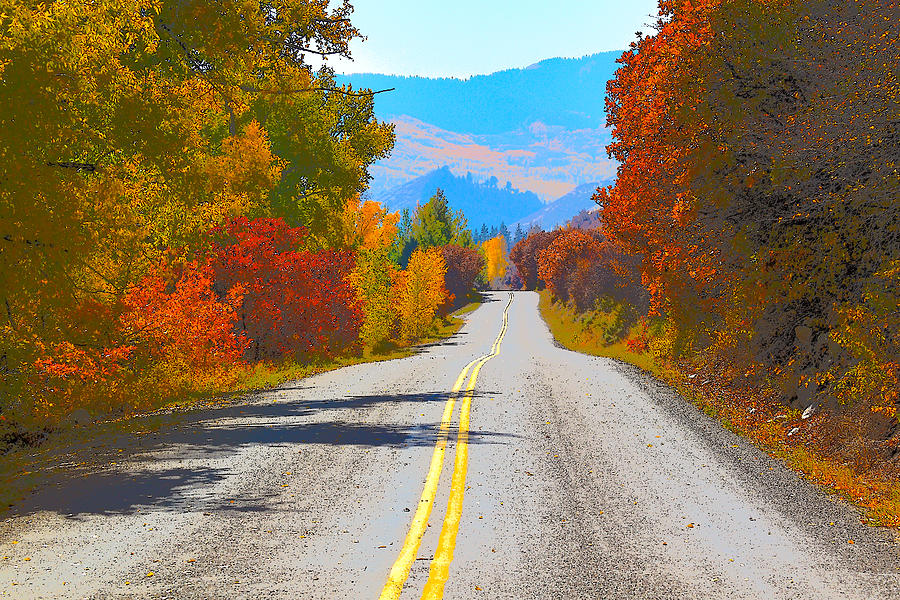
[(443, 556)]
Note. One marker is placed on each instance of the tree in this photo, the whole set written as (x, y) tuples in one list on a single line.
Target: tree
[(435, 224), (519, 235), (583, 267), (295, 302), (762, 201), (126, 141), (504, 231), (373, 279), (419, 292), (464, 265), (483, 234), (326, 141), (367, 225), (495, 259), (525, 256), (403, 244)]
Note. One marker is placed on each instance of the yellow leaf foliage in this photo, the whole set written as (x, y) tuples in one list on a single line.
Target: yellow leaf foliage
[(373, 279), (419, 291), (367, 224), (495, 258)]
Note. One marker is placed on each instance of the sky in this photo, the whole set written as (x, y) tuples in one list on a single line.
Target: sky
[(460, 38)]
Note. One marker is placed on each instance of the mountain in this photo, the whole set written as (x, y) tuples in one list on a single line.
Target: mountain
[(549, 161), (561, 210), (563, 92), (488, 203), (540, 128)]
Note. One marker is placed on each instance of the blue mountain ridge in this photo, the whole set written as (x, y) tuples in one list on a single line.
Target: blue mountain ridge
[(566, 92), (490, 203)]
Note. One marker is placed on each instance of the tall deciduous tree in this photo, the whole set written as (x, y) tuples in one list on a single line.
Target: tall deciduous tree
[(130, 129), (758, 144), (495, 259)]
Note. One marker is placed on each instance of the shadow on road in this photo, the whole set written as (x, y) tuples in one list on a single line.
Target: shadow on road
[(172, 465)]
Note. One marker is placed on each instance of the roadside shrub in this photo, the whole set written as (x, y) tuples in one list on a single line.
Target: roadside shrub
[(294, 302), (525, 256), (582, 267)]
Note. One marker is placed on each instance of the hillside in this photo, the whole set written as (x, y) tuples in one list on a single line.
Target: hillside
[(561, 210), (549, 161), (542, 127), (564, 92)]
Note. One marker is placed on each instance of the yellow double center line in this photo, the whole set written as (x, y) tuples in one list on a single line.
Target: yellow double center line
[(440, 566)]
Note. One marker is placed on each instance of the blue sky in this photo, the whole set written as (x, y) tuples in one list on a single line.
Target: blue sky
[(459, 38)]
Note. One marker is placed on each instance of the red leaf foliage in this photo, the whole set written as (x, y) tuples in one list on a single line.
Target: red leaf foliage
[(295, 302)]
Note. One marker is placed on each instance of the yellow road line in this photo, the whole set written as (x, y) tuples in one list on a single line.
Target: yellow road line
[(400, 570), (440, 566)]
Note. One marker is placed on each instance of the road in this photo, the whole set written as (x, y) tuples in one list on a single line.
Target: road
[(577, 478)]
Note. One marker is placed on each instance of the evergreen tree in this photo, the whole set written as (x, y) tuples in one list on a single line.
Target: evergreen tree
[(404, 244), (504, 231), (520, 234)]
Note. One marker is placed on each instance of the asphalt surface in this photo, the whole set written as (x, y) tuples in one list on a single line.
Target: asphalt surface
[(585, 479)]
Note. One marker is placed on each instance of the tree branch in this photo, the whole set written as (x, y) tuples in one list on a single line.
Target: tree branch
[(78, 166), (250, 88)]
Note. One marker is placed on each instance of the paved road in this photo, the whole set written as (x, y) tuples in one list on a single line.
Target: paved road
[(583, 479)]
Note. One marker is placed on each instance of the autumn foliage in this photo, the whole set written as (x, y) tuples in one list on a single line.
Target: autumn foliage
[(757, 187), (495, 258), (464, 265), (180, 205), (583, 267), (762, 201), (420, 292), (293, 302), (525, 256)]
